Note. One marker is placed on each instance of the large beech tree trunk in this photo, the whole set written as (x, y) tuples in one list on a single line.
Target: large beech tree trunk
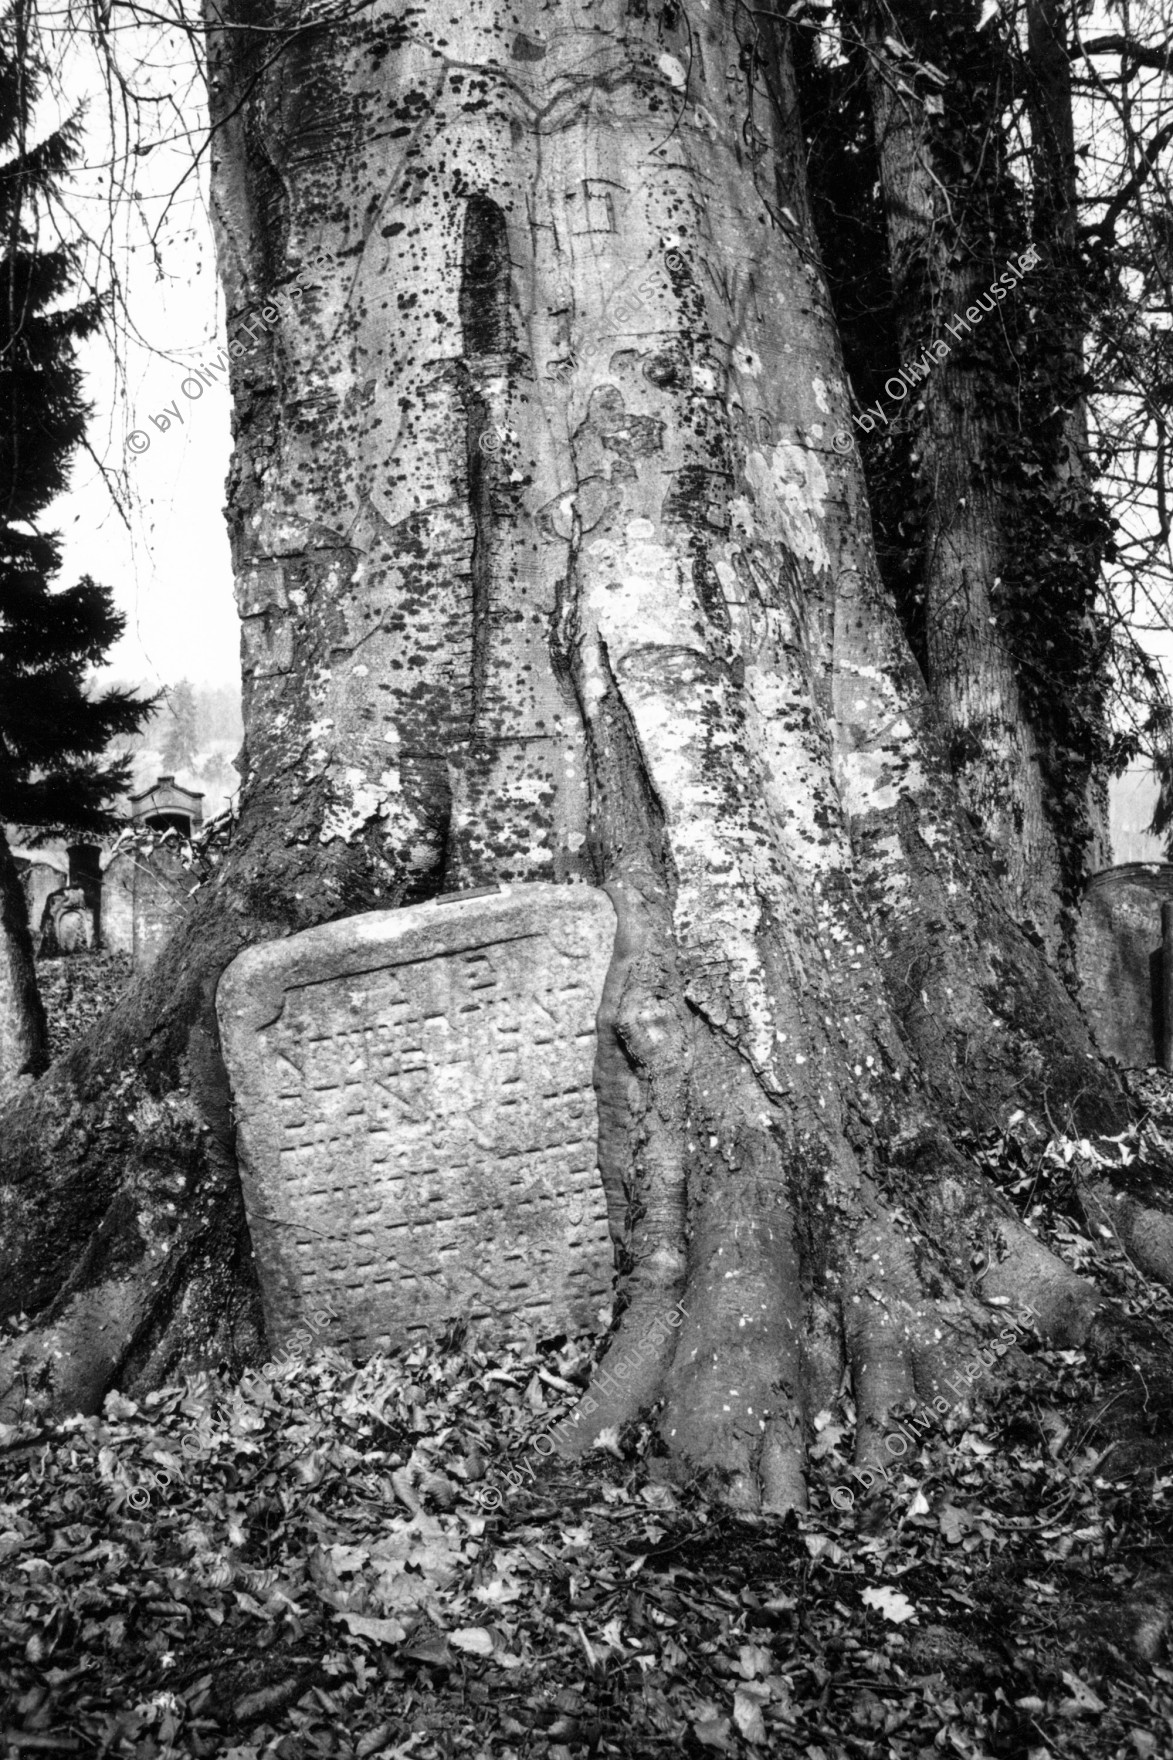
[(514, 609), (1056, 200), (1050, 33), (937, 276), (948, 288)]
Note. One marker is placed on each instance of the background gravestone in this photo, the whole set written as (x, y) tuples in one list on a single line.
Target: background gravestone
[(39, 879), (162, 897), (118, 901), (67, 925), (1118, 957), (417, 1127), (146, 892), (85, 876)]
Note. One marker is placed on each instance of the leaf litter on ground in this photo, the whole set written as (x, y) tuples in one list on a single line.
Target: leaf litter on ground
[(221, 1569), (301, 1564)]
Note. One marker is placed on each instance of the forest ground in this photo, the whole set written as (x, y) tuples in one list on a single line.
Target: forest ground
[(327, 1560)]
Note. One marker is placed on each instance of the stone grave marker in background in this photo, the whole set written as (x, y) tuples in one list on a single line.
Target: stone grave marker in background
[(118, 900), (146, 893), (163, 886), (417, 1127), (1119, 960), (39, 880), (67, 925)]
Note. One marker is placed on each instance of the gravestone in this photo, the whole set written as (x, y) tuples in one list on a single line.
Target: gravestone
[(74, 926), (417, 1127), (39, 880), (163, 887), (67, 925), (146, 893), (85, 876), (118, 901), (22, 1023), (1118, 957)]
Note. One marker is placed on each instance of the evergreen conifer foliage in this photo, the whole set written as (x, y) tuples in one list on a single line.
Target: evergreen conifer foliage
[(54, 729)]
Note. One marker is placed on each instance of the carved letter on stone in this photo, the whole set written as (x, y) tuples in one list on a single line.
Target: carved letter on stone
[(417, 1127)]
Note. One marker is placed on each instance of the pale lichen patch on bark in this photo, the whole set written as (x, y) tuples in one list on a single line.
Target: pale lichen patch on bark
[(790, 497), (354, 802)]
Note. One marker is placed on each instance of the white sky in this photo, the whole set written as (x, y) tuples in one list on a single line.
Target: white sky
[(170, 571)]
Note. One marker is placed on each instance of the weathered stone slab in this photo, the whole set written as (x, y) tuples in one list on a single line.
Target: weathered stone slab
[(417, 1126), (162, 898), (146, 892), (67, 926), (1118, 956), (40, 880), (118, 902)]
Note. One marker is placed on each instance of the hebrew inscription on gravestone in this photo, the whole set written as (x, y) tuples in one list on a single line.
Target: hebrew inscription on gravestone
[(417, 1128)]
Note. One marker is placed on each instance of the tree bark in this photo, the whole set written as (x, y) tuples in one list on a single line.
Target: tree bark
[(538, 586), (24, 1042), (1056, 225), (951, 416)]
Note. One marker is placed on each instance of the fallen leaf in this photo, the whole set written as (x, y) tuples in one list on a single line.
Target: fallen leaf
[(348, 1558), (1083, 1702), (431, 1647), (274, 1698), (384, 1631), (953, 1523), (311, 1467), (715, 1732), (373, 1741), (747, 1714), (753, 1659), (607, 1440), (474, 1639), (890, 1602), (403, 1490)]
